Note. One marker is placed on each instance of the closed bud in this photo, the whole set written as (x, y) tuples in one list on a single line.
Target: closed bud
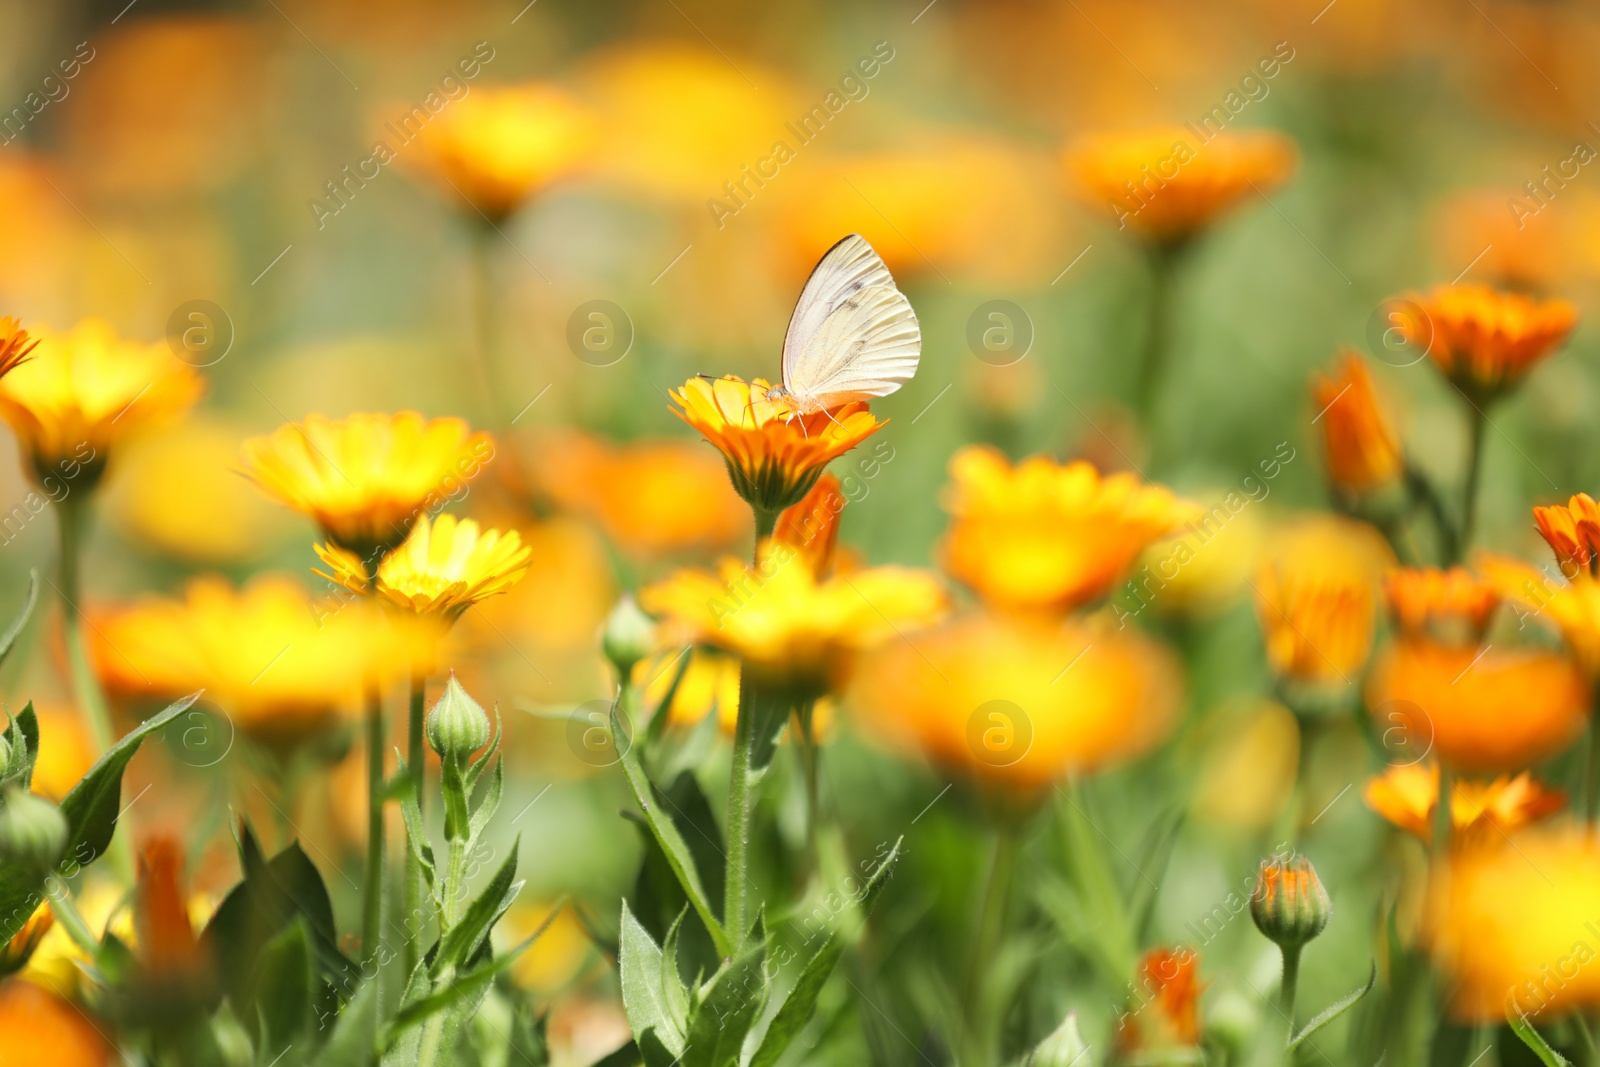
[(33, 834), (5, 752), (629, 636), (456, 725), (1290, 905), (1065, 1047)]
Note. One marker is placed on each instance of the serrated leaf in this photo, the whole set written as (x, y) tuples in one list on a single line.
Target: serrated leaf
[(461, 941), (727, 1008), (91, 810), (22, 735), (1519, 1023), (801, 1002), (1334, 1010), (677, 997), (665, 831), (645, 1002)]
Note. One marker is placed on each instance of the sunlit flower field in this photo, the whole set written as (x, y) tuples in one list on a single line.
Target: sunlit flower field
[(684, 534)]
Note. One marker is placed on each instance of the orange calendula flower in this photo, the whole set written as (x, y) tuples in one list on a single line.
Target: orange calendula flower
[(497, 146), (1486, 341), (441, 570), (1317, 598), (789, 626), (365, 479), (168, 947), (37, 1026), (1407, 794), (1168, 183), (811, 527), (1360, 446), (284, 667), (1048, 535), (1483, 709), (14, 954), (775, 453), (86, 390), (1573, 533), (1021, 702), (1165, 1012), (15, 345), (1514, 920), (1572, 606), (652, 498), (1448, 606)]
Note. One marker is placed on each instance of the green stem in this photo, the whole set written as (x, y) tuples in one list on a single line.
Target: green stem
[(741, 799), (1477, 421), (433, 1030), (1290, 988), (766, 522), (1443, 814), (416, 765), (72, 518), (372, 885), (982, 1027), (71, 920), (1153, 359)]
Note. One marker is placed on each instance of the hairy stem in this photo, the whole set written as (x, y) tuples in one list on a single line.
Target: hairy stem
[(416, 763), (372, 885), (741, 799)]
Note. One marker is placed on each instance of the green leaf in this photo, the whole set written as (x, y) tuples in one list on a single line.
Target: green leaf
[(461, 941), (1333, 1011), (91, 809), (467, 985), (727, 1008), (285, 991), (677, 997), (626, 1056), (648, 1008), (801, 1002), (417, 840), (1153, 861), (665, 831), (22, 735), (1518, 1021), (486, 805), (476, 769), (353, 1042)]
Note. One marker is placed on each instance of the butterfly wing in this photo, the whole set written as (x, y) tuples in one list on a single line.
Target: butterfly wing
[(821, 354), (867, 347)]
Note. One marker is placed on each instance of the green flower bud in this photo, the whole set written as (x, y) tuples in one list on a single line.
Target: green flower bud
[(1064, 1047), (629, 636), (1289, 905), (5, 752), (33, 834), (456, 725)]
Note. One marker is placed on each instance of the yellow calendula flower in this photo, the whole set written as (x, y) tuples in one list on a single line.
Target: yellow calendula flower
[(282, 666), (1047, 535), (15, 345), (1514, 920), (366, 478), (1407, 794), (1573, 607), (775, 453), (441, 570), (1317, 599), (84, 391), (790, 627), (1168, 183), (1486, 341), (1360, 447), (501, 144), (1020, 702)]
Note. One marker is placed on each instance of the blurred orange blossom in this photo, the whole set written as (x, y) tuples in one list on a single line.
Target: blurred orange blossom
[(1360, 447), (1048, 536), (1168, 183), (85, 391), (500, 144), (1486, 341), (1020, 702), (1407, 794), (365, 479)]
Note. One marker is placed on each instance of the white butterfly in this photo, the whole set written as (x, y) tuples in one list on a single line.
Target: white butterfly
[(853, 335)]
